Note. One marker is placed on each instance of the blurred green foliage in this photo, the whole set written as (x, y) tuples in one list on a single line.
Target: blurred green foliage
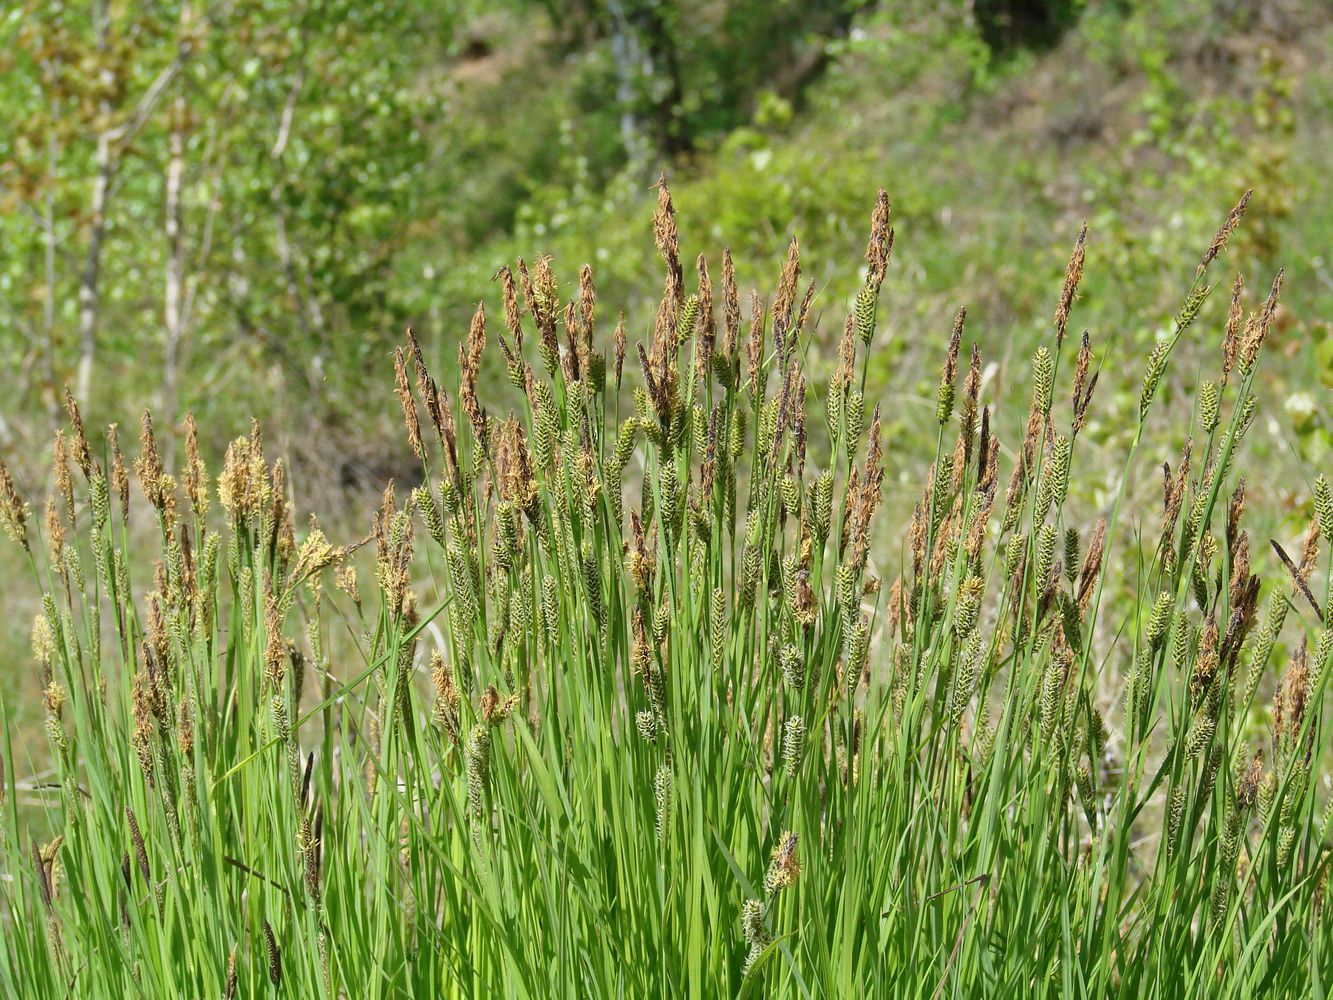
[(350, 168)]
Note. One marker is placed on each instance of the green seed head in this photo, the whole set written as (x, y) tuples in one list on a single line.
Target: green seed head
[(1043, 380)]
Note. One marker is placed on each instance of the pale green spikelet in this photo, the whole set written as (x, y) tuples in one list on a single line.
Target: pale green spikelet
[(687, 319), (965, 680), (477, 755), (822, 505), (792, 663), (1152, 375), (865, 309), (756, 934), (793, 744), (1210, 400), (1159, 619), (1043, 380), (646, 721), (550, 608), (1323, 508), (1189, 309), (1200, 736), (856, 418), (1046, 539), (967, 606), (664, 796), (430, 514), (718, 628)]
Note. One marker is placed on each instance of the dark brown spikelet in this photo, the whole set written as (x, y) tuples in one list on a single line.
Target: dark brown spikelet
[(469, 361), (573, 358), (587, 310), (513, 467), (618, 348), (707, 324), (1258, 327), (229, 989), (803, 316), (148, 466), (1309, 551), (949, 376), (755, 347), (509, 294), (60, 466), (82, 453), (1245, 600), (880, 246), (1224, 232), (196, 478), (1231, 339), (43, 875), (120, 477), (1248, 787), (1083, 384), (274, 955), (403, 389), (140, 849), (668, 241), (13, 511), (985, 474), (1092, 565), (731, 307), (1299, 578), (1073, 274), (786, 295), (967, 416), (1235, 511), (1289, 700)]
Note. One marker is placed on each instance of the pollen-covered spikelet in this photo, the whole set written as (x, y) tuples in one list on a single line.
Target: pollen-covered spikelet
[(856, 418), (1043, 380), (664, 798), (1046, 539), (718, 629), (785, 867), (1159, 619), (274, 954), (1152, 375), (793, 744), (792, 663), (944, 396), (550, 609), (1323, 508), (477, 755), (965, 680), (445, 711), (645, 720), (13, 511), (754, 932), (967, 605), (864, 312)]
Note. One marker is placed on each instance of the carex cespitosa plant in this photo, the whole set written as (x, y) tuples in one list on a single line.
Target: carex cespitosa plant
[(641, 699)]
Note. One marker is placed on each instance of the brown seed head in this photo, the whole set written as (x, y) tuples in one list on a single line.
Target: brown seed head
[(1231, 339), (1224, 232), (274, 955), (196, 476), (13, 511), (1073, 273), (879, 248), (668, 241), (82, 453), (120, 478), (148, 467)]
